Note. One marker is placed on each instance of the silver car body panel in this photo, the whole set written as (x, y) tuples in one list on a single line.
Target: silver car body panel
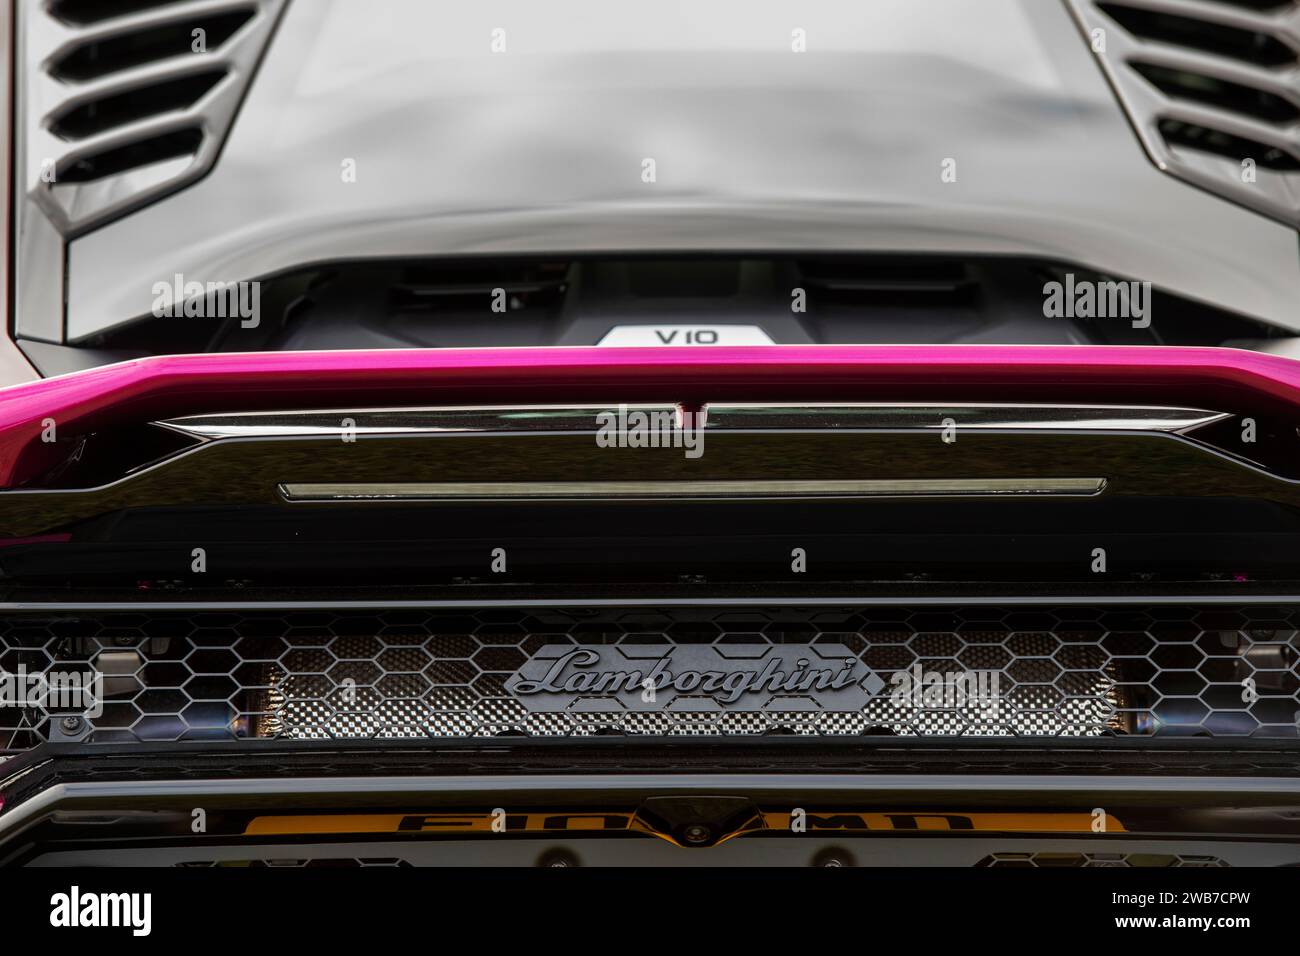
[(459, 150)]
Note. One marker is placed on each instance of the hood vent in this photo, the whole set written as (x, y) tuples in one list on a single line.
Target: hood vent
[(156, 149), (99, 116), (1249, 45), (83, 12), (113, 54), (1190, 135), (1255, 4), (129, 100), (1212, 88), (1221, 94)]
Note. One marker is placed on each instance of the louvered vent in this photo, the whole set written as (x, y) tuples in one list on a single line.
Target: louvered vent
[(899, 281), (130, 99), (444, 289), (1213, 89)]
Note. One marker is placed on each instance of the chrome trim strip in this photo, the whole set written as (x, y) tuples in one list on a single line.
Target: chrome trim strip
[(536, 418), (930, 416), (678, 490), (399, 421)]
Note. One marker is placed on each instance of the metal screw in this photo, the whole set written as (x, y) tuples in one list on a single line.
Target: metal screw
[(696, 833), (832, 856), (70, 725)]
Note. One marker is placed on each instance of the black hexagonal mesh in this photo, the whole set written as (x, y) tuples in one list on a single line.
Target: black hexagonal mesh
[(1074, 671)]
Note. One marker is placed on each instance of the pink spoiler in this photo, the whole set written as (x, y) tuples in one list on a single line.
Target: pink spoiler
[(172, 385)]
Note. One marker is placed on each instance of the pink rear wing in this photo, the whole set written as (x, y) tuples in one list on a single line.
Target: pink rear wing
[(148, 389)]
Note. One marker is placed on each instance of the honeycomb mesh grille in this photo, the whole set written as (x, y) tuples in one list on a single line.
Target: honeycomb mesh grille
[(412, 675)]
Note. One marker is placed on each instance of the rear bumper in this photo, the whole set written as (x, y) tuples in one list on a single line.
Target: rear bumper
[(1191, 804), (1121, 690)]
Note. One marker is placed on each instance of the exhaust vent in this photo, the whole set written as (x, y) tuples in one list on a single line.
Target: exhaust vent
[(1212, 88), (130, 99)]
